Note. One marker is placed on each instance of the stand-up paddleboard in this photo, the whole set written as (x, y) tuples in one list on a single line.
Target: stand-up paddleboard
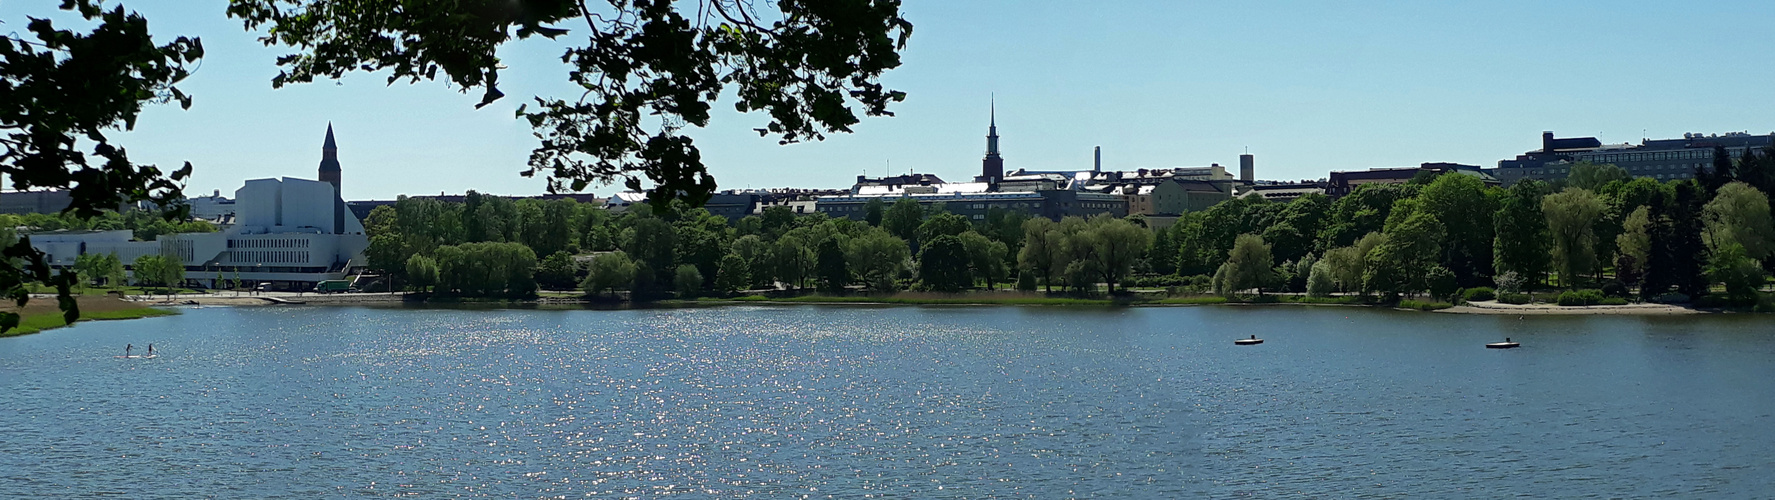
[(1506, 344), (138, 356)]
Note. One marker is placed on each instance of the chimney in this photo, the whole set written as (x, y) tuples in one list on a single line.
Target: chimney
[(1097, 160), (1247, 168), (1547, 142)]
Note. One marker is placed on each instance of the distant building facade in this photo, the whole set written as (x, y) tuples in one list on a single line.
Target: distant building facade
[(1660, 159), (1053, 204), (898, 182), (362, 208), (35, 202), (1174, 196), (1284, 192), (214, 208), (1343, 182)]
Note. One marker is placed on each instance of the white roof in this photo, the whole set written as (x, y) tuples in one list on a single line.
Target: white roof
[(1035, 177), (963, 187)]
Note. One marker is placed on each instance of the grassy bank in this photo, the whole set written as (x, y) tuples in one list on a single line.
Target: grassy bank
[(42, 314), (931, 299), (1027, 299), (106, 290)]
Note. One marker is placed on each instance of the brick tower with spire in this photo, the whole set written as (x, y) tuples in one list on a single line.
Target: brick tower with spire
[(329, 173), (329, 160)]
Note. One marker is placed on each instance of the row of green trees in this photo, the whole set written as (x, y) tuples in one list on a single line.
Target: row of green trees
[(1443, 233), (146, 224), (477, 269), (421, 242), (1436, 235), (1079, 253), (486, 245), (691, 252), (106, 269)]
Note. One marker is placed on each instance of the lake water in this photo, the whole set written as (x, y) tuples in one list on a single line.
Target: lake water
[(906, 402)]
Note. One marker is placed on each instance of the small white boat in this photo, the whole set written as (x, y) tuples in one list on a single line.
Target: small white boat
[(1506, 344), (1250, 341)]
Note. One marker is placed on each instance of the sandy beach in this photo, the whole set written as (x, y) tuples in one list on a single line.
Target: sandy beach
[(1494, 307)]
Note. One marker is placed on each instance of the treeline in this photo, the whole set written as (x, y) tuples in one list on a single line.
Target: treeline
[(1438, 234), (146, 224), (484, 246), (895, 247), (491, 246)]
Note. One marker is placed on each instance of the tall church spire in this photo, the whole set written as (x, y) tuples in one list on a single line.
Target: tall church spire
[(992, 168), (992, 129)]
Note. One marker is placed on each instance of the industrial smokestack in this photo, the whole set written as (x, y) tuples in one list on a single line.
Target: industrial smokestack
[(1247, 168), (1097, 162)]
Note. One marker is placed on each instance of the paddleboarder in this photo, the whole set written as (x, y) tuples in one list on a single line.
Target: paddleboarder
[(126, 348), (150, 349)]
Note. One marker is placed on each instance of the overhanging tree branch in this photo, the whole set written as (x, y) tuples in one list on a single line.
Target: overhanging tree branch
[(806, 70)]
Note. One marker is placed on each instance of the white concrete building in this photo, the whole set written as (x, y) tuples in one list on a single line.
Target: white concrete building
[(287, 232), (214, 208)]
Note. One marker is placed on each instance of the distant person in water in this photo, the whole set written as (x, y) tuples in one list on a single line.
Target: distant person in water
[(126, 348), (150, 349)]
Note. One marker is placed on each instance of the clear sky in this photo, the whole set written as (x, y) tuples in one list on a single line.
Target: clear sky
[(1308, 87)]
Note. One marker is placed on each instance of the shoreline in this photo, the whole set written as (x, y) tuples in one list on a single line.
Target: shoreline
[(915, 299), (1490, 307), (902, 299), (41, 315)]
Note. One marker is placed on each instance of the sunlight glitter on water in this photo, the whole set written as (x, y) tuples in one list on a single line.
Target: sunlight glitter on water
[(864, 401)]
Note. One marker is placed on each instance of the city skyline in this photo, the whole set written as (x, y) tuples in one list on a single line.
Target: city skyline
[(1383, 85)]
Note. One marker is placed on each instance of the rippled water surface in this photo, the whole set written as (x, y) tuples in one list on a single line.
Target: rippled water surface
[(854, 402)]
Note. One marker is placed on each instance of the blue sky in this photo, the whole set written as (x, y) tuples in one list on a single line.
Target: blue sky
[(1308, 87)]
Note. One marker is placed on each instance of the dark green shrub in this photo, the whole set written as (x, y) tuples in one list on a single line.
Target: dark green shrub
[(1515, 298), (1764, 305), (1481, 293), (1570, 299), (1441, 283), (1613, 301), (1158, 281), (1614, 289), (1713, 301), (1423, 305), (1580, 298), (1671, 298)]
